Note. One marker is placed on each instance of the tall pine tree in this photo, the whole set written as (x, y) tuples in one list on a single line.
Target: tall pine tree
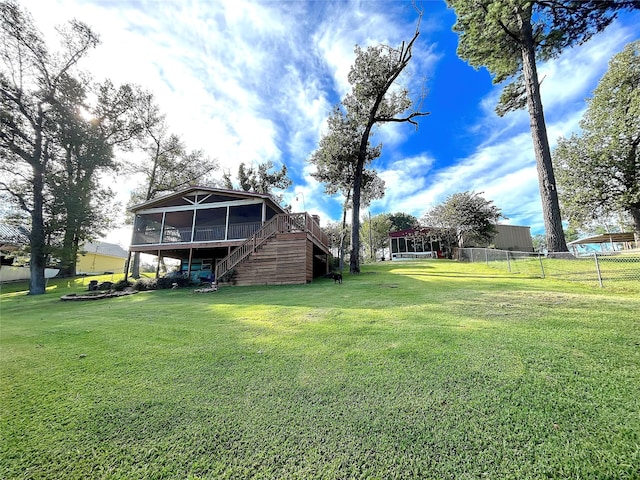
[(509, 37)]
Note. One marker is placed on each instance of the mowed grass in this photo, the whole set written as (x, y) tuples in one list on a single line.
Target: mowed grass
[(429, 369)]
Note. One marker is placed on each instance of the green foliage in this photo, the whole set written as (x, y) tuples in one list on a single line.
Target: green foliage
[(32, 83), (414, 370), (261, 178), (336, 231), (336, 160), (121, 285), (168, 165), (345, 152), (599, 169), (144, 284), (493, 34), (509, 38), (375, 235), (402, 221), (465, 219), (539, 243)]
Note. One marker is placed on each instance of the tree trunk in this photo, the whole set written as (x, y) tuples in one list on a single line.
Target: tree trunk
[(135, 266), (546, 179), (635, 215), (354, 260), (37, 284), (343, 230)]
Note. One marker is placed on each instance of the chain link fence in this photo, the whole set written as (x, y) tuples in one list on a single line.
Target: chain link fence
[(599, 268)]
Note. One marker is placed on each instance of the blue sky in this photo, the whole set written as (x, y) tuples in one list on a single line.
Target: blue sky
[(251, 81)]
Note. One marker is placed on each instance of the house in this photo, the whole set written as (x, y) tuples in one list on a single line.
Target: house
[(516, 238), (244, 238), (425, 242), (100, 257), (415, 243), (12, 239)]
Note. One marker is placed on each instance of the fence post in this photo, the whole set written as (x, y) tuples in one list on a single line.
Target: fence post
[(508, 262), (486, 256), (541, 265), (595, 256)]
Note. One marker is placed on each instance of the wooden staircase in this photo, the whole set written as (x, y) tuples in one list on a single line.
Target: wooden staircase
[(280, 224)]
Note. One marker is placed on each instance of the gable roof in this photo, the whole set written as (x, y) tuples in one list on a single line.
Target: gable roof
[(13, 236), (205, 190), (103, 248)]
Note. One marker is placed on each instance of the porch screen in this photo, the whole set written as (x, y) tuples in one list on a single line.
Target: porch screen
[(177, 227), (244, 220), (147, 228), (210, 224)]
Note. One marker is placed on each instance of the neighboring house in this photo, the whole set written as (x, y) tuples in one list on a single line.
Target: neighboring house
[(100, 257), (227, 235), (13, 238), (515, 238), (425, 242), (415, 243)]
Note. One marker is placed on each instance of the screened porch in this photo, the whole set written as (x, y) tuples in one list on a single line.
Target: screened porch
[(211, 224)]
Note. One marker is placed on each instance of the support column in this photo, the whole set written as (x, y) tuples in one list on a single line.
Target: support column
[(126, 266), (158, 266), (189, 267)]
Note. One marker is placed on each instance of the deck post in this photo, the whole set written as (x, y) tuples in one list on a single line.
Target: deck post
[(158, 266), (189, 266)]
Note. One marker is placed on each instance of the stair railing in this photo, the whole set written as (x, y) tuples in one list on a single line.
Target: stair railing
[(281, 223)]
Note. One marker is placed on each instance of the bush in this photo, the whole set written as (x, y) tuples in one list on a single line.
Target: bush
[(143, 284), (120, 285), (168, 281), (105, 286)]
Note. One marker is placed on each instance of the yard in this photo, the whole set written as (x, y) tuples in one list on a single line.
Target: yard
[(427, 369)]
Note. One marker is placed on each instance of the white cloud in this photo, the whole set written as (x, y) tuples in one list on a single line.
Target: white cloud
[(252, 81)]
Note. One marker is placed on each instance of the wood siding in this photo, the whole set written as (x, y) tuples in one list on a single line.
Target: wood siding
[(285, 259)]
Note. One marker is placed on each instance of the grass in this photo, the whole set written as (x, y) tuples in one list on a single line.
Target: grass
[(620, 271), (428, 369)]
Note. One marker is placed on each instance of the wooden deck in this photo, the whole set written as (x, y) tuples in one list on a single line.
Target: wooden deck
[(286, 259), (285, 251)]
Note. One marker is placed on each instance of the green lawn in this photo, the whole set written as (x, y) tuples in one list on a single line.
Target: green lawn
[(429, 369)]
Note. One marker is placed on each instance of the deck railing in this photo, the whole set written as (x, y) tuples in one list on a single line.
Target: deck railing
[(282, 223)]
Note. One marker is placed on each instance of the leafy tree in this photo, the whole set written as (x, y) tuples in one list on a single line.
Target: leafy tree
[(509, 37), (336, 161), (30, 83), (402, 221), (337, 239), (80, 152), (373, 101), (261, 178), (539, 243), (599, 169), (168, 165), (83, 149), (375, 233), (464, 218), (375, 230)]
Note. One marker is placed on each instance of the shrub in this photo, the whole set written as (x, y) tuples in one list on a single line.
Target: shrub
[(120, 285), (105, 286), (168, 281), (143, 284)]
